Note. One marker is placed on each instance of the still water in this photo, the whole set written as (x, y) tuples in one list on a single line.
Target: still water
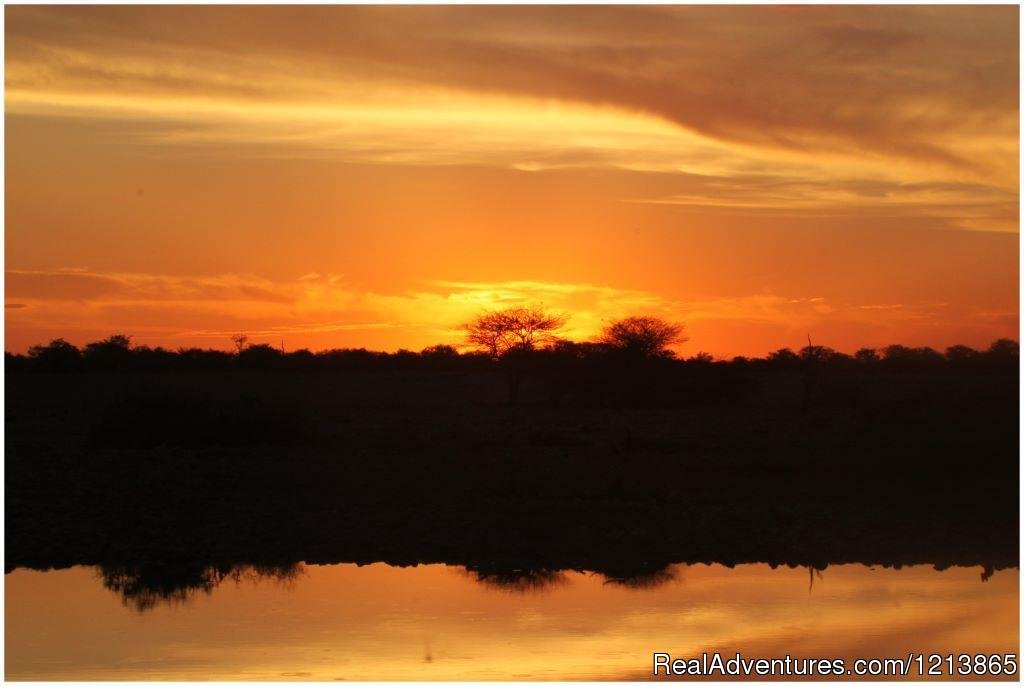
[(438, 622)]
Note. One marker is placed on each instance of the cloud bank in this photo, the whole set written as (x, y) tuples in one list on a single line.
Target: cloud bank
[(798, 109)]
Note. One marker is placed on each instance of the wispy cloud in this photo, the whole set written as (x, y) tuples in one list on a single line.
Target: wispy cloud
[(888, 109)]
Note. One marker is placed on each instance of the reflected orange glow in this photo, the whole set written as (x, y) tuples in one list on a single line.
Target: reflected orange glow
[(436, 622), (367, 176)]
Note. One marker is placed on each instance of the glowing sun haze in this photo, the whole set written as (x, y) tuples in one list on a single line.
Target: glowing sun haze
[(373, 176)]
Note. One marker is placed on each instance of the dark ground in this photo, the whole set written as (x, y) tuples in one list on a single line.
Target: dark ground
[(173, 471)]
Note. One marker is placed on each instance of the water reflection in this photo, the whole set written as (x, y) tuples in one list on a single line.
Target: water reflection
[(518, 580), (439, 622), (644, 578), (142, 587)]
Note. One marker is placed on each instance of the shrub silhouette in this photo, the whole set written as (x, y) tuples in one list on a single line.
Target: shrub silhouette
[(203, 360), (784, 358), (816, 354), (961, 354), (866, 356), (1004, 350), (439, 357), (111, 353), (902, 357), (440, 351), (260, 356), (57, 356)]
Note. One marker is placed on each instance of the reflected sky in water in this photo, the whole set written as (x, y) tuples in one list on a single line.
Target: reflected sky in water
[(439, 622)]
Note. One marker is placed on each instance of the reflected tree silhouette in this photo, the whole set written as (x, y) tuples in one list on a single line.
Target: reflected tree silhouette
[(518, 580), (145, 587), (812, 572), (645, 579)]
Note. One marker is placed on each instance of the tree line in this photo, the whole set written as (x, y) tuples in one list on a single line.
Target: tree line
[(514, 339)]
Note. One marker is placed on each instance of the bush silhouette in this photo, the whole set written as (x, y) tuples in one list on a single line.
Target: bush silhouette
[(902, 357), (1004, 350), (261, 356), (111, 353), (784, 358), (866, 356), (57, 356)]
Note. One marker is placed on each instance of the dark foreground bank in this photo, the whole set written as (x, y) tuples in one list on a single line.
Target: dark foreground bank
[(168, 475)]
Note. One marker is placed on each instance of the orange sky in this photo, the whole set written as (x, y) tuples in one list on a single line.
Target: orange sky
[(353, 176)]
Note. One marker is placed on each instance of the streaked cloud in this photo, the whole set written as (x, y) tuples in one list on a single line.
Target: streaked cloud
[(810, 109), (83, 285)]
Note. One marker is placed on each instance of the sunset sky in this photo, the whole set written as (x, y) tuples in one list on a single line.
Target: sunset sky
[(373, 176)]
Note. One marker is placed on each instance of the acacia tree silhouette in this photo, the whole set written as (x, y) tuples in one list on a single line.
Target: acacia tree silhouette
[(514, 328), (510, 335), (643, 336)]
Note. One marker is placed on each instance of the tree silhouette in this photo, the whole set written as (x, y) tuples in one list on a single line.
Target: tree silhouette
[(514, 328), (643, 336), (440, 350), (902, 357), (1004, 349), (961, 354), (813, 358), (110, 353), (57, 356), (241, 341), (260, 356), (814, 354), (866, 356)]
